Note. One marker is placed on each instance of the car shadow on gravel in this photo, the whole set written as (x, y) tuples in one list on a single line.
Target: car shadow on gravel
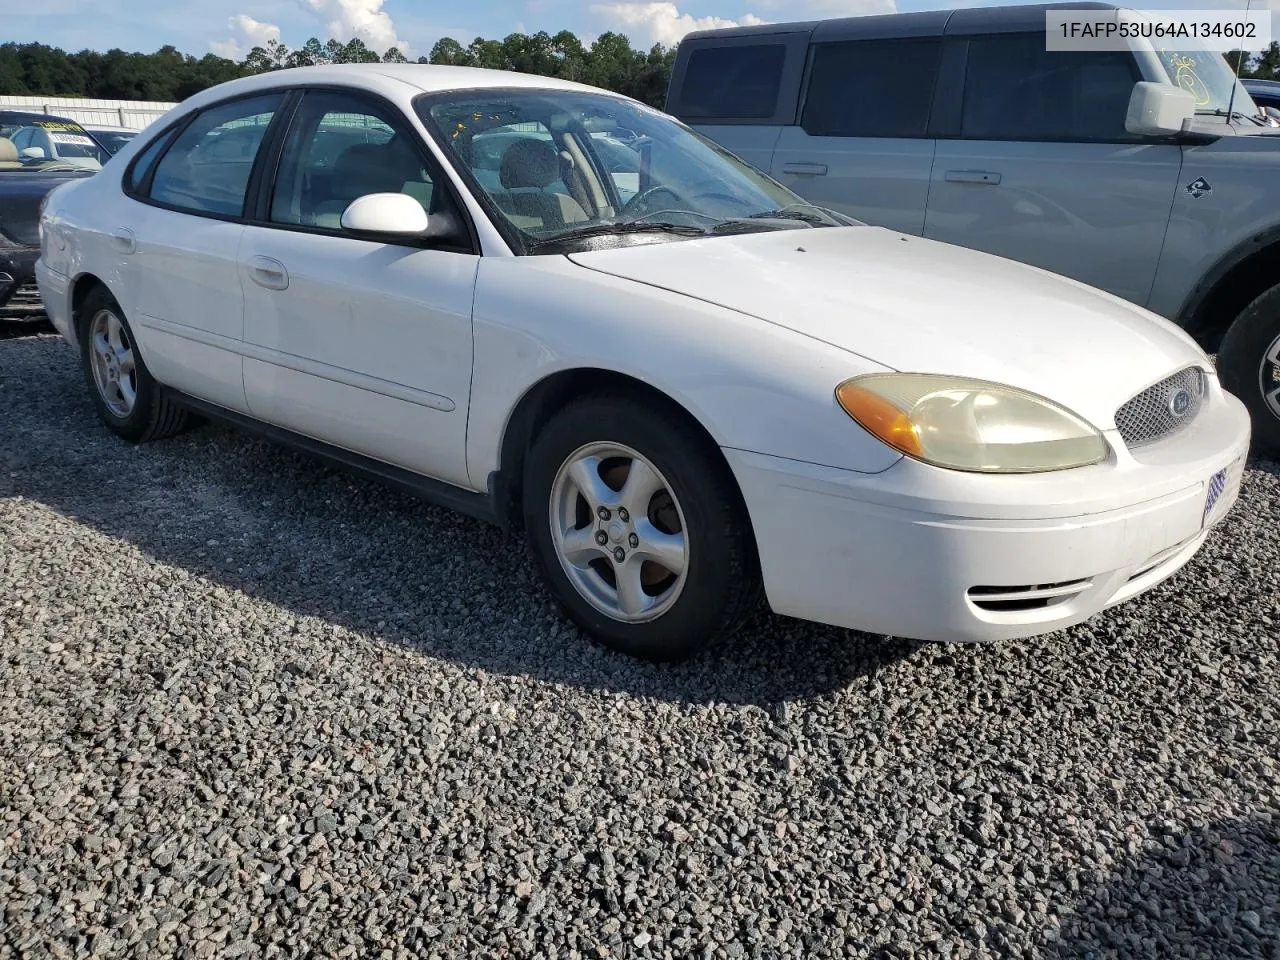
[(1211, 892), (321, 543)]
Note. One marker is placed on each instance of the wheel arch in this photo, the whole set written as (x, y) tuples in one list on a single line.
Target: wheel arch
[(80, 289), (540, 401), (1234, 282)]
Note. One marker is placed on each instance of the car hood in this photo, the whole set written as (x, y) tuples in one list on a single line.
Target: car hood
[(918, 305)]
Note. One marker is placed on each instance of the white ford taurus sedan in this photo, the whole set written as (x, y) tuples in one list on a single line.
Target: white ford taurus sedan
[(543, 303)]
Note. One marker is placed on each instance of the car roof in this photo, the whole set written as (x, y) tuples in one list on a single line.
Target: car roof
[(393, 79), (926, 23), (31, 118), (1260, 84)]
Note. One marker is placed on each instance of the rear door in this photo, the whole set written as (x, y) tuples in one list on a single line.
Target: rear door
[(1041, 169), (183, 240), (862, 145), (739, 89)]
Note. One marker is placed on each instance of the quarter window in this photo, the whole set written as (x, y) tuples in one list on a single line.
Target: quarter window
[(737, 82), (339, 148), (871, 88), (207, 168), (1016, 90)]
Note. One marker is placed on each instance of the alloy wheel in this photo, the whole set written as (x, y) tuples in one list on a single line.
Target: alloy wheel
[(112, 360), (619, 532)]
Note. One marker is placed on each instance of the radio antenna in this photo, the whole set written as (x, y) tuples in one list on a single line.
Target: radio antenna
[(1240, 55)]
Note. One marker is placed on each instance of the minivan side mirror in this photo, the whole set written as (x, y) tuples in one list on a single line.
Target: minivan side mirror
[(1158, 109)]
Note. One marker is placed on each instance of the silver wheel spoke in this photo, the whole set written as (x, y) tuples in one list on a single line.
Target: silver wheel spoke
[(101, 346), (664, 549), (579, 547), (126, 363), (1273, 353), (127, 394), (642, 483), (114, 333), (585, 474), (632, 599), (1273, 401)]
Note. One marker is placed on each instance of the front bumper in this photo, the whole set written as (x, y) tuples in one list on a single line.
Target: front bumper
[(18, 294), (932, 554)]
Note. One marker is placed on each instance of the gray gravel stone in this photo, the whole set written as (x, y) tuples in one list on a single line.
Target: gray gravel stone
[(253, 707)]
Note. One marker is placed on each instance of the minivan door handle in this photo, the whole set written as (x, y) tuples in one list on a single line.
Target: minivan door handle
[(268, 273), (805, 169), (973, 176), (122, 239)]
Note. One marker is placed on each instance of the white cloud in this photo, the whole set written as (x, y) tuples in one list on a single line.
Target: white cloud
[(346, 19), (246, 33), (662, 22)]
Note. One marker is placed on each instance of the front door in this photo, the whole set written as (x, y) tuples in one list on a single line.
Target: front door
[(362, 344), (1044, 171)]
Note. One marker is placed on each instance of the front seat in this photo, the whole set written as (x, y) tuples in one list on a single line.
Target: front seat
[(528, 168), (9, 159)]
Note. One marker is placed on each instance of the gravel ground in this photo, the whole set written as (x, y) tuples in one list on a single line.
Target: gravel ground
[(253, 707)]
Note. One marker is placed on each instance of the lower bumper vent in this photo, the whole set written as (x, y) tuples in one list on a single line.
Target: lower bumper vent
[(1016, 599)]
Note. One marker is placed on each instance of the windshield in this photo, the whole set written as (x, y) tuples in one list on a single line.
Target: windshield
[(113, 140), (36, 143), (1207, 77), (560, 165)]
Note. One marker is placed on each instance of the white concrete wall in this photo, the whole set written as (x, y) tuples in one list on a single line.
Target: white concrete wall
[(134, 114)]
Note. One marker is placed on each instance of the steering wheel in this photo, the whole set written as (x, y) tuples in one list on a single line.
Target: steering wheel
[(641, 199)]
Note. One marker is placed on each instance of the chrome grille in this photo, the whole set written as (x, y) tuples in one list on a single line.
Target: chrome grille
[(1163, 408)]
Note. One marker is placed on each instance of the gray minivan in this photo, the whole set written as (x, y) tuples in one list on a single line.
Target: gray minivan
[(960, 126)]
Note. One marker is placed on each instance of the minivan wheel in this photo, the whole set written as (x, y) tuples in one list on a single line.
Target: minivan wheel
[(1249, 361), (639, 529), (129, 401)]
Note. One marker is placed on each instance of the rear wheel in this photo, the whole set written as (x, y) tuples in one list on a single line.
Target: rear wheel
[(639, 529), (129, 401), (1249, 361)]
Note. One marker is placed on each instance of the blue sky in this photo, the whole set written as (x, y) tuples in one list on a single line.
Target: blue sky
[(231, 27)]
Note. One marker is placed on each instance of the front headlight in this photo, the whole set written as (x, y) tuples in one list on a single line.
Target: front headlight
[(970, 425)]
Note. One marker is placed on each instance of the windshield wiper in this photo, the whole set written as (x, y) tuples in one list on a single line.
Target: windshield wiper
[(618, 229), (790, 213)]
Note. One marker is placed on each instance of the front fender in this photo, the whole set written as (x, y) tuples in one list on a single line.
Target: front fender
[(752, 385)]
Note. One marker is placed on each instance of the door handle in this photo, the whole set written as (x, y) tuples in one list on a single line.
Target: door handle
[(973, 176), (268, 273), (123, 240), (805, 169)]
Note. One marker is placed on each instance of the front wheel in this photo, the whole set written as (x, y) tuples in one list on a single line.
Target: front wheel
[(638, 527), (1249, 361)]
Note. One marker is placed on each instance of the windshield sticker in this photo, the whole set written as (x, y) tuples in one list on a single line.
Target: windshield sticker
[(60, 125), (1187, 78), (77, 138)]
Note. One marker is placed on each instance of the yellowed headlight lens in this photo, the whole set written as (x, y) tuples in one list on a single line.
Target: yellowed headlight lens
[(973, 425)]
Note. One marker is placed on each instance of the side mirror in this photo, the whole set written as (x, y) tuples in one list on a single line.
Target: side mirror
[(34, 153), (1158, 109), (389, 215)]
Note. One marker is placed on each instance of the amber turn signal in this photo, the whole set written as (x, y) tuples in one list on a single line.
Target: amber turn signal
[(880, 418)]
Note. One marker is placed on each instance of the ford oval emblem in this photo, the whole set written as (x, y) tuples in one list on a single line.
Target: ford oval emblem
[(1180, 402)]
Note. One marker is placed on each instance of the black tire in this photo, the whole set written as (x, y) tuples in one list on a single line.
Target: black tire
[(1246, 371), (154, 415), (721, 578)]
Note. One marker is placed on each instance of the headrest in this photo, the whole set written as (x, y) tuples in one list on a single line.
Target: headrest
[(529, 163)]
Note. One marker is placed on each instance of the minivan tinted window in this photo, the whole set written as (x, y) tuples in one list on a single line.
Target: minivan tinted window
[(737, 82), (1015, 89), (871, 88)]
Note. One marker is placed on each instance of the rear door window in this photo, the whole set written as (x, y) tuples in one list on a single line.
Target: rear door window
[(207, 168), (871, 88), (735, 82)]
